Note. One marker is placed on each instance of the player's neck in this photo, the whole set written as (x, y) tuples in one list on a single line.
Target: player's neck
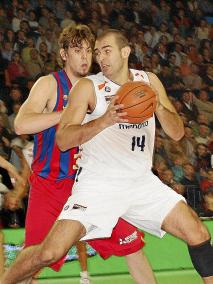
[(72, 77), (122, 77)]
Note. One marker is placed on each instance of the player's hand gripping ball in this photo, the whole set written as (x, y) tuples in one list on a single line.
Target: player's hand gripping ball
[(139, 101)]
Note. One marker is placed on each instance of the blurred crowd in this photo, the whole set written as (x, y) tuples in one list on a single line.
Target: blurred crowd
[(172, 39)]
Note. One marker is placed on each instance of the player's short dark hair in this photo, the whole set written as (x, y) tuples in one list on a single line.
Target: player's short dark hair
[(120, 37)]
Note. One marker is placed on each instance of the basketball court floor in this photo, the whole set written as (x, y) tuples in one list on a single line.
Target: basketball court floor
[(177, 277)]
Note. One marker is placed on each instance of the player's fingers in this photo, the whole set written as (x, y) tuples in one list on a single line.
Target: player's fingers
[(122, 113), (124, 120), (118, 107)]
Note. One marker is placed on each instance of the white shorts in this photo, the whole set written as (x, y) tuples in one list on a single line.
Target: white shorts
[(97, 202)]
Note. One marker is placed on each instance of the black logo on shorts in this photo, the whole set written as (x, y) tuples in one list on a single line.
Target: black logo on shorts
[(66, 207), (78, 206)]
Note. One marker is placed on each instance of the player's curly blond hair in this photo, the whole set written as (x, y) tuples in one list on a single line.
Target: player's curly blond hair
[(72, 36)]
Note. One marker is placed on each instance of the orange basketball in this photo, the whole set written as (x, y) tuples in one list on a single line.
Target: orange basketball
[(139, 101)]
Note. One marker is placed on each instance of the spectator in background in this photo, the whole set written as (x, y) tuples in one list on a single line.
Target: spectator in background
[(189, 108), (185, 68), (16, 107), (162, 52), (177, 84), (168, 179), (9, 36), (155, 63), (177, 168), (192, 187), (207, 57), (17, 20), (207, 182), (68, 20), (203, 30), (4, 22), (15, 96), (43, 16), (208, 79), (160, 153), (5, 138), (174, 149), (203, 157), (203, 135), (47, 38), (151, 37), (182, 22), (208, 203), (204, 105), (193, 81), (26, 50), (43, 52), (165, 77), (35, 65), (16, 70), (7, 51), (192, 53), (25, 27), (32, 19), (21, 41)]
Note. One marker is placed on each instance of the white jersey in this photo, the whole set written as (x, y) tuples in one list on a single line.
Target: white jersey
[(122, 149)]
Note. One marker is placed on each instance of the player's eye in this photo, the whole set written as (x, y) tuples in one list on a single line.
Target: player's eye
[(77, 50)]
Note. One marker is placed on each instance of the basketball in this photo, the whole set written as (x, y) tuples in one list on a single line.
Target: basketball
[(139, 101)]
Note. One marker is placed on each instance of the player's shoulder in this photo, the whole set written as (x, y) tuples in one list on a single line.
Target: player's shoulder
[(97, 78), (47, 79)]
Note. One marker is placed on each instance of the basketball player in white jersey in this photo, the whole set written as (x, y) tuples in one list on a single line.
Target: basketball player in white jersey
[(115, 178)]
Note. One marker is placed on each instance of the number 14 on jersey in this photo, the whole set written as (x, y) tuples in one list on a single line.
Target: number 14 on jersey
[(138, 142)]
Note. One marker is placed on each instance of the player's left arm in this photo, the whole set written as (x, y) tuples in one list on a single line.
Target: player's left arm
[(165, 111)]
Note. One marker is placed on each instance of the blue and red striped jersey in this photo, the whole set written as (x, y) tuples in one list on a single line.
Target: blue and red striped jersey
[(48, 161)]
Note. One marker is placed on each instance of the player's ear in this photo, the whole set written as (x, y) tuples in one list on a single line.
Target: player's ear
[(125, 51), (63, 54)]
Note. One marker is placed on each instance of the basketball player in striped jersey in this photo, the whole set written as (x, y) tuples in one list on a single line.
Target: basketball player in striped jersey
[(52, 170)]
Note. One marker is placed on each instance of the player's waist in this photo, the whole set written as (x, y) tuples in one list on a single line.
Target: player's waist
[(118, 168), (55, 176)]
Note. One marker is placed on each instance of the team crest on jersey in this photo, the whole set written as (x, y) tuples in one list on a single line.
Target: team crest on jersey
[(107, 89)]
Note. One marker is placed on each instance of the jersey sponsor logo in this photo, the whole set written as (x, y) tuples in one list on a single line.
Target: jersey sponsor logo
[(138, 74), (107, 89), (129, 239), (108, 98), (134, 126), (101, 86), (80, 207)]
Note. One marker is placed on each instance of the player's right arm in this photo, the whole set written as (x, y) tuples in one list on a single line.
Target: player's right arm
[(71, 132), (36, 113)]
